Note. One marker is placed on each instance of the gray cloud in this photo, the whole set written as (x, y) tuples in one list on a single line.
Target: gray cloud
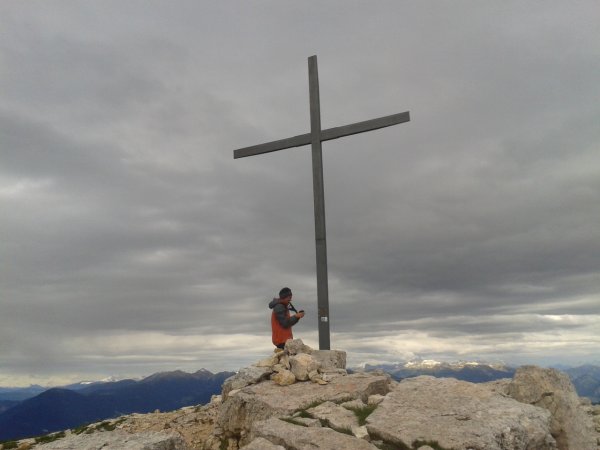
[(133, 242)]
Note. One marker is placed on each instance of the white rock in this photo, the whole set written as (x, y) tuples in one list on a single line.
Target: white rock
[(459, 415), (296, 346), (375, 399), (268, 362), (361, 433), (284, 378), (302, 364), (335, 416)]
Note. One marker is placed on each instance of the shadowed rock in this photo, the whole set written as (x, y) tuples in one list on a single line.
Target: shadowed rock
[(553, 391)]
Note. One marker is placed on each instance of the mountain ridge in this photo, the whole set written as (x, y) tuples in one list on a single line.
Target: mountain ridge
[(59, 408), (585, 378)]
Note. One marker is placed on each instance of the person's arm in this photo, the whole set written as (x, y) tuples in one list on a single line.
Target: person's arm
[(284, 321)]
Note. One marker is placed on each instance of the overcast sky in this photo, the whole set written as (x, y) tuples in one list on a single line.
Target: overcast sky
[(132, 242)]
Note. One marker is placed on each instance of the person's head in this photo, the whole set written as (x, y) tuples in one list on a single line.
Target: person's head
[(285, 294)]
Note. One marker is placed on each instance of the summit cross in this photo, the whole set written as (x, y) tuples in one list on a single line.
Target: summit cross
[(315, 138)]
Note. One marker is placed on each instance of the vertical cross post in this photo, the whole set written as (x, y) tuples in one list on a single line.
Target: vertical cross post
[(319, 204)]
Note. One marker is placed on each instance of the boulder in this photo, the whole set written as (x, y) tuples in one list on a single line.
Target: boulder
[(284, 378), (296, 346), (552, 390), (297, 437), (268, 362), (245, 377), (460, 415), (302, 365), (284, 360)]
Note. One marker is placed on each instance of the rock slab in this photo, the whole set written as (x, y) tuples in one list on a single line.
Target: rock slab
[(118, 440), (460, 415), (296, 437)]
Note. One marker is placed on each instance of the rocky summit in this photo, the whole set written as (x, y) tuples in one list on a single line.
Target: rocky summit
[(302, 399)]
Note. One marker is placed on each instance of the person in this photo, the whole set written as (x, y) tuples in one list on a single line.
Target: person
[(281, 320)]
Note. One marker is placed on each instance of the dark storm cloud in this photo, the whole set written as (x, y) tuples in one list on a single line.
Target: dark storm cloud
[(136, 243)]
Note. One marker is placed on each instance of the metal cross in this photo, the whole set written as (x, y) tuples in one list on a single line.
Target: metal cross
[(315, 137)]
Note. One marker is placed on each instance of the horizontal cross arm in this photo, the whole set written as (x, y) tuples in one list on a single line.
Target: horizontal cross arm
[(296, 141), (326, 135), (367, 125)]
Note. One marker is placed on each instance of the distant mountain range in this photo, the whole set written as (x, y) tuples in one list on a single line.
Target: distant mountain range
[(11, 396), (63, 408), (466, 371), (586, 379)]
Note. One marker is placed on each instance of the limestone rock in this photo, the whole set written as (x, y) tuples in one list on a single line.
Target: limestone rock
[(361, 432), (316, 377), (328, 376), (262, 444), (375, 399), (296, 437), (330, 359), (459, 415), (296, 346), (118, 440), (308, 422), (195, 424), (245, 377), (302, 364), (279, 368), (553, 390), (268, 362), (335, 416), (284, 360), (284, 378), (265, 400), (354, 404)]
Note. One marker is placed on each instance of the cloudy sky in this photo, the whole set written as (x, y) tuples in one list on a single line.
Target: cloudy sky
[(132, 242)]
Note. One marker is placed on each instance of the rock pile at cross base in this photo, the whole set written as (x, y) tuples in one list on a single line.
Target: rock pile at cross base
[(303, 399)]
